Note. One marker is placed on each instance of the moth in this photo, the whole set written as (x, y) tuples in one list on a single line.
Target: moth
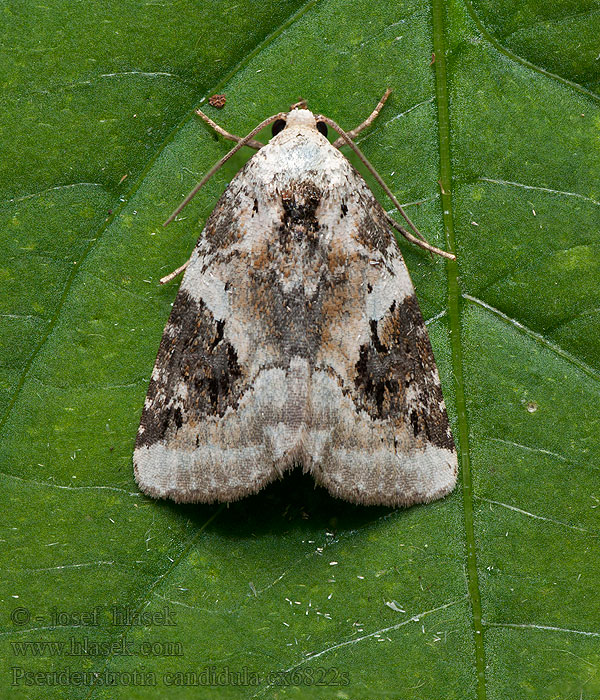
[(296, 339)]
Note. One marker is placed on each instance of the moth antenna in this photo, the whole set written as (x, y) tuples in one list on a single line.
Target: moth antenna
[(367, 122), (220, 130), (413, 239), (421, 243), (224, 159)]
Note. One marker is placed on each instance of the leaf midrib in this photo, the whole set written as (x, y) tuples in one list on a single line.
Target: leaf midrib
[(454, 297)]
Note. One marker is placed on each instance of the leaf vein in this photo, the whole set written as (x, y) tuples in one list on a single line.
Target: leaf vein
[(590, 371), (523, 61), (533, 515)]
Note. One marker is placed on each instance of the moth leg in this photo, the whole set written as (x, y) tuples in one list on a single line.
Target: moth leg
[(173, 275), (232, 137), (367, 122)]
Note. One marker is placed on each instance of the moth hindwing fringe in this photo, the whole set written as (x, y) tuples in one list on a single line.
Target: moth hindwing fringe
[(296, 339)]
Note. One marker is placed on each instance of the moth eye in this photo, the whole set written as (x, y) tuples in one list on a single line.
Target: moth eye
[(278, 126), (322, 128)]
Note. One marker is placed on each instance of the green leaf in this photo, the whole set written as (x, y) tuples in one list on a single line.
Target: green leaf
[(490, 593)]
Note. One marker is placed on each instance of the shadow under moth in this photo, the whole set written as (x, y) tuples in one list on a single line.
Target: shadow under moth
[(296, 338)]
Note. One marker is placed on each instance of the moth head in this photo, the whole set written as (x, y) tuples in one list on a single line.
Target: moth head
[(300, 120)]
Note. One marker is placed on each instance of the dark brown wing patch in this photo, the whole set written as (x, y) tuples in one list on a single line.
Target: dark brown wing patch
[(396, 376), (194, 354)]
